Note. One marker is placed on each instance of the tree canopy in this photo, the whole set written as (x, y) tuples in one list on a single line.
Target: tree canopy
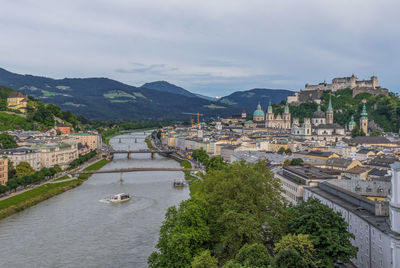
[(326, 229), (7, 141)]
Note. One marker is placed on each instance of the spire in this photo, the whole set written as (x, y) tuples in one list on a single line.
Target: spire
[(270, 106), (286, 108), (258, 106), (319, 108), (330, 103), (364, 113)]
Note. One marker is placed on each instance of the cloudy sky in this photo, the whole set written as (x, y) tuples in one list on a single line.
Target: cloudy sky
[(211, 47)]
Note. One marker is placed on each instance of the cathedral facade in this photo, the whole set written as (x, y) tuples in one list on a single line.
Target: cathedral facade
[(269, 120)]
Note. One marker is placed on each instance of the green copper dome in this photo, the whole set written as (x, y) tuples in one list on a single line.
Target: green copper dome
[(286, 107), (352, 122), (270, 106), (364, 112), (259, 111)]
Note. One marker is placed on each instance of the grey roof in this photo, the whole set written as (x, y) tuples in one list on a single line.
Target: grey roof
[(318, 114), (339, 162), (328, 126), (320, 154), (370, 140)]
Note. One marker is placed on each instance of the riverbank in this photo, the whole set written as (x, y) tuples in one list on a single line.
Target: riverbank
[(32, 197)]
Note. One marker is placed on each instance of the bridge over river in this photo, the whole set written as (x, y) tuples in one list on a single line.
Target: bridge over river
[(123, 170), (152, 152)]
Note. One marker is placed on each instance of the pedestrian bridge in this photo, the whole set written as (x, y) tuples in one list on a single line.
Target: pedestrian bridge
[(152, 152), (123, 170)]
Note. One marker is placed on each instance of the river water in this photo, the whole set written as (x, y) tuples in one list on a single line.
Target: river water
[(78, 229)]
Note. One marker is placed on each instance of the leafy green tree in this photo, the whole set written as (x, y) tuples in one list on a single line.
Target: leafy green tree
[(375, 133), (205, 260), (23, 169), (183, 235), (233, 264), (254, 255), (288, 151), (12, 184), (186, 164), (201, 155), (357, 132), (216, 163), (286, 162), (7, 141), (281, 150), (288, 258), (296, 161), (327, 231), (11, 169), (3, 189), (245, 206), (300, 243)]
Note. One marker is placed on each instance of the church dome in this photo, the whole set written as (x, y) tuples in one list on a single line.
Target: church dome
[(318, 113), (258, 112)]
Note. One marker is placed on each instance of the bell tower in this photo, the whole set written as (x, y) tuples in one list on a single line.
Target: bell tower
[(329, 112), (364, 119)]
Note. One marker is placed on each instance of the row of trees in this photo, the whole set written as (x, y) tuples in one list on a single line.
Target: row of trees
[(82, 159), (215, 162), (238, 218), (24, 175)]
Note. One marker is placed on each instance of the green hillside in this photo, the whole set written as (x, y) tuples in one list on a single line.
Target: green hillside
[(384, 110), (39, 116)]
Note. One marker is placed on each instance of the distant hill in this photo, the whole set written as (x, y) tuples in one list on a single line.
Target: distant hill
[(206, 97), (103, 98), (249, 99), (164, 86)]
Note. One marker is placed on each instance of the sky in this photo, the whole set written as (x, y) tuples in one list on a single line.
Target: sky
[(209, 47)]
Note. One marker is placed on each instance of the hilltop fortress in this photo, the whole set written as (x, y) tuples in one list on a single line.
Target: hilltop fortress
[(314, 92)]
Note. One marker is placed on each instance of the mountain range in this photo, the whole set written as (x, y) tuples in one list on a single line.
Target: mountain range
[(103, 98)]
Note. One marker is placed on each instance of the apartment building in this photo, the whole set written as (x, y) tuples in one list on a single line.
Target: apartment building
[(3, 171), (23, 154)]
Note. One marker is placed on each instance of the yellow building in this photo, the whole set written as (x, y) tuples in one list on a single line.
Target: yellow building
[(92, 140), (3, 171), (17, 101)]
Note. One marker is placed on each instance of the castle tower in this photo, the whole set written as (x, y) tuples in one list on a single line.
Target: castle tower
[(352, 123), (364, 120), (394, 212), (244, 115), (329, 112), (374, 81)]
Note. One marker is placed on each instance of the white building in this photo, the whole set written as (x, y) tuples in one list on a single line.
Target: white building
[(377, 236)]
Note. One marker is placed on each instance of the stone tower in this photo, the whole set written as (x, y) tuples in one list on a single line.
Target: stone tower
[(329, 112), (269, 118), (244, 115), (286, 116), (307, 127), (364, 120), (374, 81), (394, 213)]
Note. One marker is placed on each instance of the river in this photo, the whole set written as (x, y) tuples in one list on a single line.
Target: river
[(78, 229)]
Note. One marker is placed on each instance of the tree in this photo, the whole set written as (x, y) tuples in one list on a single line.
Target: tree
[(288, 258), (3, 189), (357, 132), (7, 141), (216, 163), (205, 260), (11, 169), (375, 133), (254, 255), (281, 150), (183, 235), (12, 184), (288, 151), (201, 155), (302, 245), (296, 161), (23, 169), (327, 231), (245, 205), (286, 162)]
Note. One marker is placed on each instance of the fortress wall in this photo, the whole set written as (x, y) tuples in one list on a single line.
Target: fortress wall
[(365, 83)]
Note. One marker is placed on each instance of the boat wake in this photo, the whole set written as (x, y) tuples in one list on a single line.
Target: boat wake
[(104, 201)]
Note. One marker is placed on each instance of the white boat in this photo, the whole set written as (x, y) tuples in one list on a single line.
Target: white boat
[(119, 198)]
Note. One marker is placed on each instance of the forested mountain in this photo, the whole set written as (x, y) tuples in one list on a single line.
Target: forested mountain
[(249, 99), (103, 98)]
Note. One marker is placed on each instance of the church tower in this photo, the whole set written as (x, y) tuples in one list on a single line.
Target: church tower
[(286, 117), (329, 112), (270, 116), (364, 120), (244, 115)]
